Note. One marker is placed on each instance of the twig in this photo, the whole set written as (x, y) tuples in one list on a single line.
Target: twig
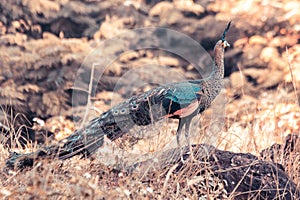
[(4, 126), (240, 181), (243, 80), (89, 96), (168, 176), (292, 74)]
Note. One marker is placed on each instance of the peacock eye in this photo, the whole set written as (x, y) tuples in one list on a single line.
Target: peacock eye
[(134, 107), (123, 110), (116, 112)]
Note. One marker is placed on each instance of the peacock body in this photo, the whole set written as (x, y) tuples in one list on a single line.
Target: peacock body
[(180, 100)]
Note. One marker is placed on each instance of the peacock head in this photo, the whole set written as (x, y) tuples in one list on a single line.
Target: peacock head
[(220, 48), (223, 42)]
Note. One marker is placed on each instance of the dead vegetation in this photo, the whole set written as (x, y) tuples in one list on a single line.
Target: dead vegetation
[(43, 44)]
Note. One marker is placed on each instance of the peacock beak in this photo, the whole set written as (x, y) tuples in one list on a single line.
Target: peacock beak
[(225, 44)]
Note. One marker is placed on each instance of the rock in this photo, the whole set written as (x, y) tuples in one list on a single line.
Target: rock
[(268, 53), (283, 41), (244, 174), (237, 80), (261, 78), (172, 17), (49, 36), (168, 61), (296, 76), (13, 39), (257, 39), (277, 64), (114, 69), (292, 11), (271, 81), (189, 6), (161, 8), (283, 153), (126, 57), (38, 6), (251, 57), (113, 26), (241, 42)]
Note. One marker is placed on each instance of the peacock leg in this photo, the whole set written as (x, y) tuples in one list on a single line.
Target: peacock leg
[(178, 132), (187, 132), (187, 137)]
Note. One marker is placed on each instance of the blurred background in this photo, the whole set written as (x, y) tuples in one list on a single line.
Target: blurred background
[(44, 44), (48, 45)]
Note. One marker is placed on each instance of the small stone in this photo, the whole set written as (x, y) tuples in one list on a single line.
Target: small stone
[(268, 53), (160, 8), (50, 36), (87, 175), (5, 192), (129, 56), (127, 192), (275, 42), (168, 61), (240, 42), (257, 39), (150, 190), (281, 41), (277, 63), (189, 6)]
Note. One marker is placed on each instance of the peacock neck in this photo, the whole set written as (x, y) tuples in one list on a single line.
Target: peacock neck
[(218, 64), (217, 75)]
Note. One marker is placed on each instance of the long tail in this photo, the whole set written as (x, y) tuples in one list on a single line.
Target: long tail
[(113, 124), (83, 141)]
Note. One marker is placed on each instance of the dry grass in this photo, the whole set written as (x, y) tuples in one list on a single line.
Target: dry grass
[(251, 125), (247, 131), (256, 125)]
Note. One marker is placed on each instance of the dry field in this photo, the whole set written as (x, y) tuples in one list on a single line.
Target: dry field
[(246, 145)]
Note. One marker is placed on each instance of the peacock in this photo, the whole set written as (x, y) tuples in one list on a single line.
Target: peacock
[(181, 100)]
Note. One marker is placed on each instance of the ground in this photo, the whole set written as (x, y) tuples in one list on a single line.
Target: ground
[(47, 52)]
